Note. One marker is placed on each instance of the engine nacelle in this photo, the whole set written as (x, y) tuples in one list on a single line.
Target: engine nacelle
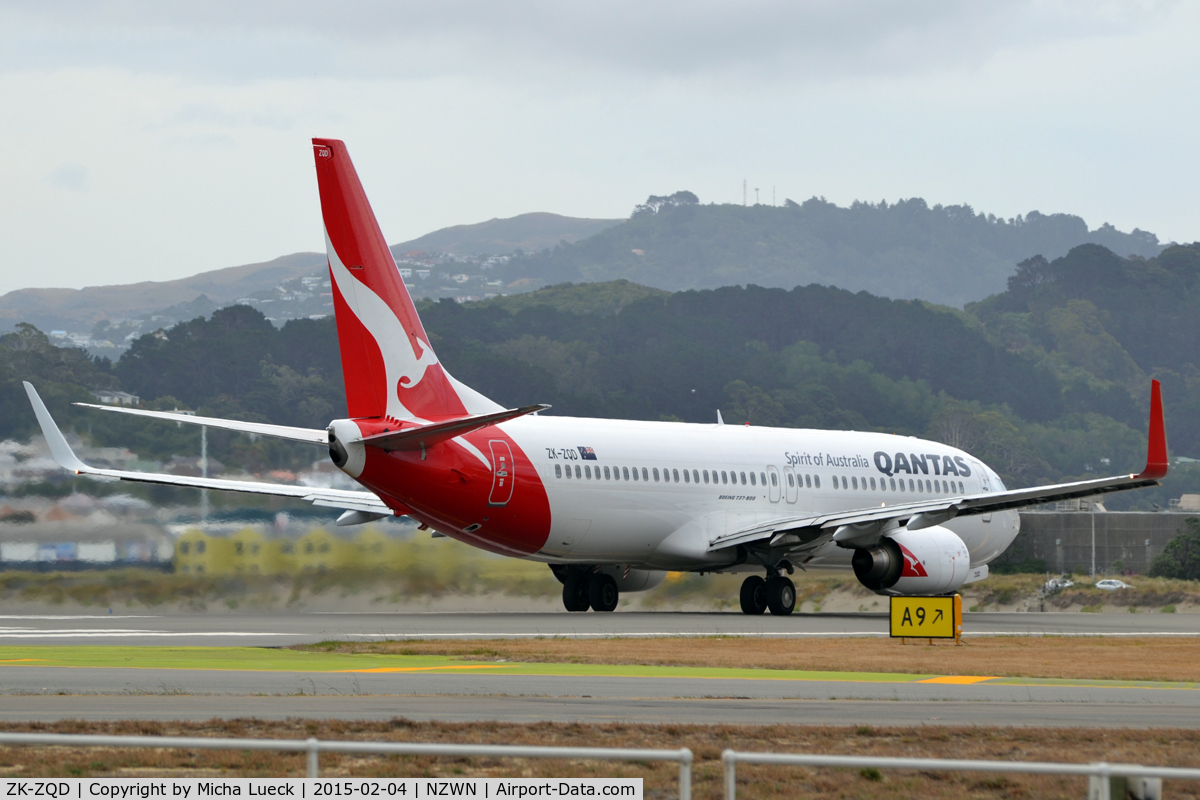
[(929, 561), (635, 580), (347, 455)]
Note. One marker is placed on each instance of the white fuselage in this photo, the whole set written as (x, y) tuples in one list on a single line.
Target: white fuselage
[(601, 514)]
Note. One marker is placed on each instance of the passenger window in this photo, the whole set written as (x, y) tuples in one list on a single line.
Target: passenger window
[(645, 474), (961, 488), (911, 488), (762, 478), (635, 473), (587, 471), (705, 473), (625, 472), (607, 474), (743, 479), (872, 484), (808, 481), (902, 484), (791, 480), (724, 477), (558, 470), (816, 481), (686, 477), (656, 474), (753, 480), (578, 472), (774, 480), (854, 481), (835, 482), (928, 487), (675, 475), (892, 481), (695, 476)]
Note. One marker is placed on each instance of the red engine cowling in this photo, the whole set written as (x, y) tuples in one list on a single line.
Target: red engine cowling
[(929, 561)]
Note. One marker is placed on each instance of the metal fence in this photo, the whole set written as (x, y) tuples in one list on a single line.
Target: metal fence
[(1100, 775), (313, 747)]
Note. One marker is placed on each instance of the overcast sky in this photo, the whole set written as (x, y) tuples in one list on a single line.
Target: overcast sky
[(154, 140)]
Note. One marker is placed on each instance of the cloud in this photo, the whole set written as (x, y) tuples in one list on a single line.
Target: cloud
[(768, 39), (73, 177)]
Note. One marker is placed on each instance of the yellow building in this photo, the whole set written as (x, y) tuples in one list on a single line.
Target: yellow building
[(319, 550), (255, 554), (197, 553)]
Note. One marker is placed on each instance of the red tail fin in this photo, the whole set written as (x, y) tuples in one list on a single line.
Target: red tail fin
[(1156, 452), (388, 366)]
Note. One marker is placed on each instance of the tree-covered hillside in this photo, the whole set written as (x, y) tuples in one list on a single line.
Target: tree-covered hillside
[(1046, 381), (1105, 325), (944, 254)]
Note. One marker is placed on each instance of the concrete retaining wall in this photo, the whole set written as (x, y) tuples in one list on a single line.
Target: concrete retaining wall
[(1063, 540)]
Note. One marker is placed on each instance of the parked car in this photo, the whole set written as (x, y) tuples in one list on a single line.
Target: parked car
[(1112, 584), (1057, 585)]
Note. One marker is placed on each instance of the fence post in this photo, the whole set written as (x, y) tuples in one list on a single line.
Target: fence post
[(730, 761), (313, 766), (685, 774), (1100, 783)]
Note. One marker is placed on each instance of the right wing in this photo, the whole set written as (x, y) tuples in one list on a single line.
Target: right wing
[(366, 502), (864, 526)]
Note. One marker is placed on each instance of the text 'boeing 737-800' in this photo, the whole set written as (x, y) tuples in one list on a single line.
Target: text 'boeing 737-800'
[(611, 505)]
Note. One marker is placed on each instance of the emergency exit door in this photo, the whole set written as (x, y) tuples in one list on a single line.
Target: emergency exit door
[(503, 473)]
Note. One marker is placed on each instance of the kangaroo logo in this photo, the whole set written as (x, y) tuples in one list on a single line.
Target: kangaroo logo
[(424, 361), (912, 567)]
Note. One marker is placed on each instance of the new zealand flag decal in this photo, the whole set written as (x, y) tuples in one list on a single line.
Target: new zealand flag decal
[(587, 454)]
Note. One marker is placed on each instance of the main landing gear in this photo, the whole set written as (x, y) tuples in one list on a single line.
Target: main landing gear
[(776, 592), (584, 589)]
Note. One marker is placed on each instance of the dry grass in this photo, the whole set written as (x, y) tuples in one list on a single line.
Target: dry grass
[(1149, 659), (1180, 748)]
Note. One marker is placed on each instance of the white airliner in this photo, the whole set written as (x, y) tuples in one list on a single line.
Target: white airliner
[(611, 505)]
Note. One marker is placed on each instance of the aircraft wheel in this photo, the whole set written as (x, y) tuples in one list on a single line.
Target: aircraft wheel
[(754, 595), (781, 596), (603, 593), (575, 593)]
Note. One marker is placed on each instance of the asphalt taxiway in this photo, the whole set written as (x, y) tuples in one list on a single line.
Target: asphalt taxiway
[(282, 629), (45, 693)]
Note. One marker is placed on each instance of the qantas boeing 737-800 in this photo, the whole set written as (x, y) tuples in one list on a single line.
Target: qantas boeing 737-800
[(611, 505)]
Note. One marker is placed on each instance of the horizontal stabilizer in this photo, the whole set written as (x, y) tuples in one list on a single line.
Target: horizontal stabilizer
[(367, 502), (311, 435), (429, 435)]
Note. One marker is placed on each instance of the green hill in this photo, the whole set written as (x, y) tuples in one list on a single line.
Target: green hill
[(944, 254), (527, 232)]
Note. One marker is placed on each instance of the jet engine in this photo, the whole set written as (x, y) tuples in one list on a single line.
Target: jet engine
[(928, 561), (635, 580), (348, 455)]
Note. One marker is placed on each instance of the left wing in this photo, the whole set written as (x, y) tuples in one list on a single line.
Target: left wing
[(366, 502), (864, 526)]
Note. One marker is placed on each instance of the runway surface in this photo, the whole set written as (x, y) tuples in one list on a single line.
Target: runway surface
[(282, 629), (46, 693), (50, 693)]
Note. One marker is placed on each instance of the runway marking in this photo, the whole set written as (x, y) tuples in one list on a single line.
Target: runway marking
[(427, 669), (258, 659), (736, 634)]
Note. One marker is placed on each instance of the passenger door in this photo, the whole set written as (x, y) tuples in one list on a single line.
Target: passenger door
[(773, 485), (503, 474)]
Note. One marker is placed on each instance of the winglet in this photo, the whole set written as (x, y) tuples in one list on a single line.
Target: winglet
[(1156, 453), (59, 448)]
